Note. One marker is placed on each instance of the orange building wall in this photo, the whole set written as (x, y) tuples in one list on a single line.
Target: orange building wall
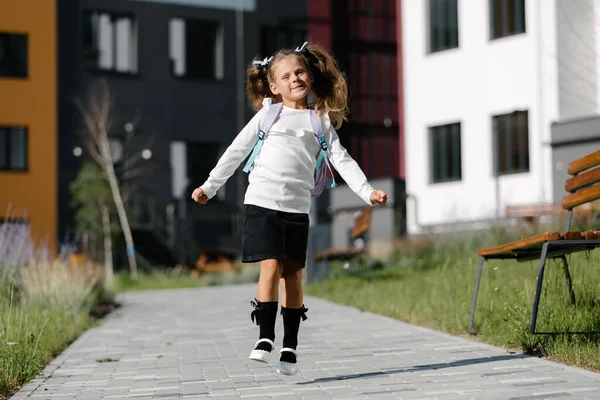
[(32, 102)]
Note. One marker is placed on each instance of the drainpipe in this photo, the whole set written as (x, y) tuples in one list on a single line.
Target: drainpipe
[(540, 101), (416, 213), (240, 90)]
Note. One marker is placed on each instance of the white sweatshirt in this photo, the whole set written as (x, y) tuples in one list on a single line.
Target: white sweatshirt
[(283, 173)]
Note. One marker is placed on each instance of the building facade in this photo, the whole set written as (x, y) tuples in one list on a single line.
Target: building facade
[(364, 38), (483, 83), (28, 116), (175, 70)]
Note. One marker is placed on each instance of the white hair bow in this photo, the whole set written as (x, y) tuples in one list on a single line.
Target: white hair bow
[(263, 63), (301, 48)]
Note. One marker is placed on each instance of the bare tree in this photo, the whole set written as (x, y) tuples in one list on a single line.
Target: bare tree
[(108, 264), (98, 119)]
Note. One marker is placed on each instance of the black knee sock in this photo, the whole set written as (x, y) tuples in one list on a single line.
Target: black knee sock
[(265, 314), (291, 326)]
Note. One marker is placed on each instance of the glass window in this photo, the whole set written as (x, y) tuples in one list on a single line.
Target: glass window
[(13, 148), (443, 25), (507, 17), (196, 49), (13, 55), (511, 143), (110, 42), (445, 153)]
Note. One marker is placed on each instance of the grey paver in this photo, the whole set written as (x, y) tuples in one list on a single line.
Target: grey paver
[(194, 344)]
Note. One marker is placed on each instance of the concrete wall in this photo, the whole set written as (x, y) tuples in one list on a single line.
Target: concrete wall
[(578, 51), (571, 140), (387, 222)]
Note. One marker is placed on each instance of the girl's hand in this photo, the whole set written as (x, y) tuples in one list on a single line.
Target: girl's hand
[(199, 196), (378, 197)]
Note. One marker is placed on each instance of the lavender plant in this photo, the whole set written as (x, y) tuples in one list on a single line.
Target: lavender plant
[(16, 251)]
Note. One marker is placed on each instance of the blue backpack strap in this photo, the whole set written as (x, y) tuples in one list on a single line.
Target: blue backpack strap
[(320, 138), (272, 113)]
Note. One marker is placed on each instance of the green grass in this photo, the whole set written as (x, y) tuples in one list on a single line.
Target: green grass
[(155, 280), (40, 316), (32, 337), (433, 286), (160, 279)]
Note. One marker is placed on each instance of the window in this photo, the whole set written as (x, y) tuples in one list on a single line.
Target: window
[(507, 17), (13, 55), (196, 49), (13, 148), (110, 42), (443, 25), (445, 153), (511, 143)]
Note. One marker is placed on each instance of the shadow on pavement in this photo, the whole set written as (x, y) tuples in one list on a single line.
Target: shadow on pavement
[(428, 367)]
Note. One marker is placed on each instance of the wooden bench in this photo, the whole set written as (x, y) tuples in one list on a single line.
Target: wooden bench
[(583, 188), (358, 240), (215, 260)]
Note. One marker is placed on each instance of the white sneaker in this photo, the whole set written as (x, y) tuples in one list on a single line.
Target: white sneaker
[(287, 368), (261, 355)]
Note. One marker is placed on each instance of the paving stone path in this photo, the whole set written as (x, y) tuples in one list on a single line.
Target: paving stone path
[(194, 344)]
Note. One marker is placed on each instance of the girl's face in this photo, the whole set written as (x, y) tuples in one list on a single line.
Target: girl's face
[(291, 81)]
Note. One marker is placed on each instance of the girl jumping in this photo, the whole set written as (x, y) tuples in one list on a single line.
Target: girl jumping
[(282, 180)]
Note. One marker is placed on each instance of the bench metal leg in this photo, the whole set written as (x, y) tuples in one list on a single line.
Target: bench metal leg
[(481, 261), (538, 289), (568, 277)]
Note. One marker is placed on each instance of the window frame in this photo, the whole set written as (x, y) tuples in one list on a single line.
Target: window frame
[(448, 131), (496, 143), (220, 31), (7, 143), (25, 74), (88, 12), (492, 21), (429, 31)]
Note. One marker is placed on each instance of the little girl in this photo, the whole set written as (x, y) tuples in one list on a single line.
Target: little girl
[(278, 198)]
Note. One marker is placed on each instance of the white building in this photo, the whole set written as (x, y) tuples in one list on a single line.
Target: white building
[(483, 82)]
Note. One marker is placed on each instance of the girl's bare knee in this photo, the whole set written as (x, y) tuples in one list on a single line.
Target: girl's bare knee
[(291, 272), (271, 268)]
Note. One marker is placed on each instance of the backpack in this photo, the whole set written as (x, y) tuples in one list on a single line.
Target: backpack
[(323, 174)]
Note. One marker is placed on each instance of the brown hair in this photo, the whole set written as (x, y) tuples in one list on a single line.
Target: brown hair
[(328, 82)]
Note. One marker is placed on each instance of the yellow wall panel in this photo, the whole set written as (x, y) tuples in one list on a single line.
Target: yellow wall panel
[(32, 102)]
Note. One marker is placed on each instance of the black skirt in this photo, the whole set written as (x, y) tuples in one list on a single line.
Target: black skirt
[(271, 234)]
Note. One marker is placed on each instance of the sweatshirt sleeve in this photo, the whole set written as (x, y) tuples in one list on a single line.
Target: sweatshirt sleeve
[(237, 152), (347, 166)]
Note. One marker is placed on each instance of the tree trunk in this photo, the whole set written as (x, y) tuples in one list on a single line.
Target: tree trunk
[(108, 264), (114, 187)]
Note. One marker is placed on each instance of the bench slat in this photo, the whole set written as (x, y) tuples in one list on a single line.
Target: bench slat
[(571, 236), (583, 196), (532, 241), (579, 181), (361, 224), (583, 163)]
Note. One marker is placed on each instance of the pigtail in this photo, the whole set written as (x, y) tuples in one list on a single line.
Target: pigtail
[(257, 85), (328, 83)]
